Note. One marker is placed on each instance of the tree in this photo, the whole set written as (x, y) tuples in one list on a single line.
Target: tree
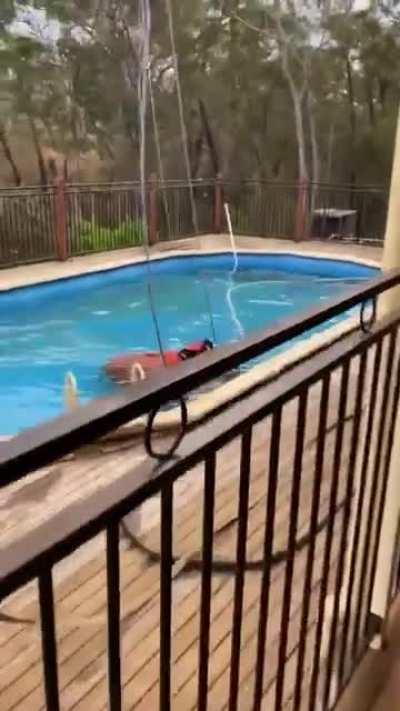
[(278, 91), (9, 155)]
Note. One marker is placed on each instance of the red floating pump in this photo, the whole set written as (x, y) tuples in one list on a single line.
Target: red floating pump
[(123, 367)]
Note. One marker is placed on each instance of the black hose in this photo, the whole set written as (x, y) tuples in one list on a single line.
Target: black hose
[(10, 619), (228, 567)]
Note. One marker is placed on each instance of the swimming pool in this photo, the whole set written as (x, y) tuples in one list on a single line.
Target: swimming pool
[(77, 324)]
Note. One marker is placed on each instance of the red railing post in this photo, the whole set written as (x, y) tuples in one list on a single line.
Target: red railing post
[(61, 221), (153, 214), (218, 204), (301, 219)]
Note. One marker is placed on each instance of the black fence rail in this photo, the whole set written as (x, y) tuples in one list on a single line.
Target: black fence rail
[(305, 532), (100, 218), (182, 212), (68, 220), (27, 226), (262, 209), (323, 211)]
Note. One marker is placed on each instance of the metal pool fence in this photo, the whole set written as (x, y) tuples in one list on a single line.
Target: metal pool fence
[(325, 430), (66, 220)]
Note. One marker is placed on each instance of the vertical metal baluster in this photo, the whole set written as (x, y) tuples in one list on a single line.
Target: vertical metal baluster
[(49, 641), (208, 529), (385, 477), (27, 247), (267, 555), (49, 223), (44, 219), (113, 610), (359, 511), (329, 535), (243, 515), (316, 498), (12, 228), (373, 495), (166, 596), (345, 524), (291, 548)]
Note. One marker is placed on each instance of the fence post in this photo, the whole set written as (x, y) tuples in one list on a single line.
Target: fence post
[(61, 221), (218, 204), (301, 220), (152, 217)]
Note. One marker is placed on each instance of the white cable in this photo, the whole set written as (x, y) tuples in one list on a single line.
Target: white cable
[(144, 64), (144, 60), (159, 155), (185, 141)]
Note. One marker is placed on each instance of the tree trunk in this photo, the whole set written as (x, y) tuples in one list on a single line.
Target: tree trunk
[(38, 150), (316, 163), (300, 133), (196, 151), (233, 88), (370, 102), (315, 158), (209, 137), (9, 156), (261, 167), (297, 96), (331, 143), (383, 88), (234, 44), (352, 118)]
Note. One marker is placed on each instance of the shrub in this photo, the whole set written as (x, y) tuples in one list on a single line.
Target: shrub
[(93, 238)]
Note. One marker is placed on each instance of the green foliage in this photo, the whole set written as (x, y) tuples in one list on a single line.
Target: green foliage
[(93, 237)]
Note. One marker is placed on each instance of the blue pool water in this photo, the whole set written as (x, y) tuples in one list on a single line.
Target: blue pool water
[(78, 324)]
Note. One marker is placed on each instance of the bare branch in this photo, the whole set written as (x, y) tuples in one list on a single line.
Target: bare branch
[(249, 25)]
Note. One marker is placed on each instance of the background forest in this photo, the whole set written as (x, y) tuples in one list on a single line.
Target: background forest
[(272, 90)]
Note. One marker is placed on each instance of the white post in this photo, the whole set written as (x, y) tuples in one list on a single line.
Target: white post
[(389, 302), (391, 253)]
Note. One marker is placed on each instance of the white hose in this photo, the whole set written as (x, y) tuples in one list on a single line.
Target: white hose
[(144, 63), (232, 310), (230, 229), (229, 301)]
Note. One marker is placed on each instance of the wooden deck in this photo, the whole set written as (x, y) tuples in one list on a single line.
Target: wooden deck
[(81, 590)]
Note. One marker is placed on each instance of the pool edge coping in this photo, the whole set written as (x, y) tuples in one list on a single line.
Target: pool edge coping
[(195, 252)]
